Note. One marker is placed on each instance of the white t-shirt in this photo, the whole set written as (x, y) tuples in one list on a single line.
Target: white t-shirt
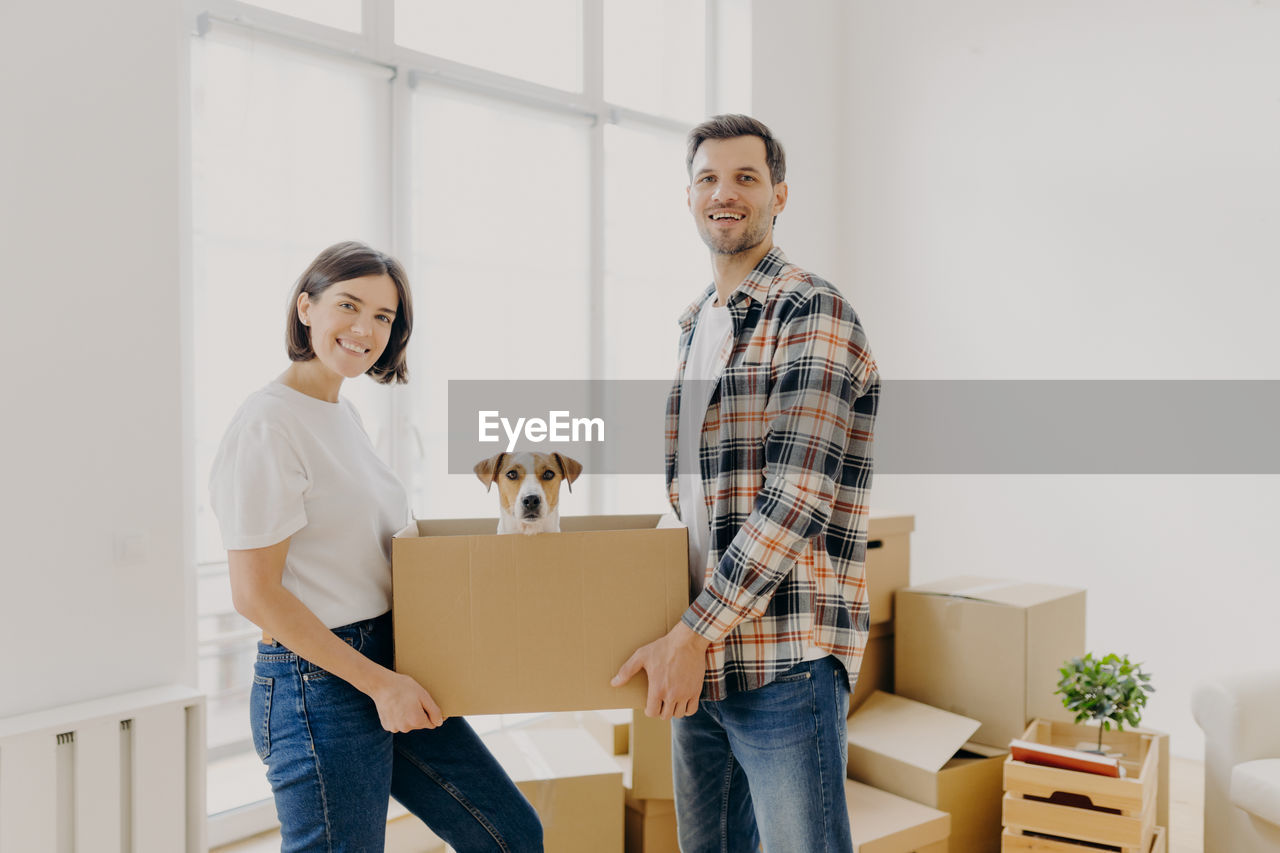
[(291, 465), (701, 369)]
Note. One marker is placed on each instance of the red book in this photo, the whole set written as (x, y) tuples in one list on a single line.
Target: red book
[(1031, 752)]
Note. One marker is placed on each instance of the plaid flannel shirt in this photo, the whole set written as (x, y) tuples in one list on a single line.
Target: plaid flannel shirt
[(786, 466)]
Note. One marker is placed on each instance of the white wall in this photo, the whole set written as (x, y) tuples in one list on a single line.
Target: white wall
[(1089, 191), (798, 90), (94, 571)]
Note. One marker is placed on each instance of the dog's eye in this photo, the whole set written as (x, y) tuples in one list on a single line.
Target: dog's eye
[(512, 475), (548, 475)]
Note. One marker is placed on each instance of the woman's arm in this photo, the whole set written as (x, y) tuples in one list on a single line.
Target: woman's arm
[(258, 594)]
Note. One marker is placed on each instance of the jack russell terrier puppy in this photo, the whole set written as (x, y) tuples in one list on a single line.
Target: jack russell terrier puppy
[(528, 488)]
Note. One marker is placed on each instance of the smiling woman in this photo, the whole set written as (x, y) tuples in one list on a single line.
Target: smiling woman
[(307, 511), (362, 326)]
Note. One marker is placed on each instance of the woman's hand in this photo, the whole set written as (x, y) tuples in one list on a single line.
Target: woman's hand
[(404, 705)]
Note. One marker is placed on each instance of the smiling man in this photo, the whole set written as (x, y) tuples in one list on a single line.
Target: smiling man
[(769, 431)]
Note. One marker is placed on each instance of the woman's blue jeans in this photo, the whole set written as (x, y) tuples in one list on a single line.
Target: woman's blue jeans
[(332, 766), (766, 766)]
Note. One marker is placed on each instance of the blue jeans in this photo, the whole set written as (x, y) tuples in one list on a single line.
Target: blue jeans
[(332, 766), (766, 766)]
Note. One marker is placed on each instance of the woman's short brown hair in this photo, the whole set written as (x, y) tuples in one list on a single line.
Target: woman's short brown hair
[(343, 262)]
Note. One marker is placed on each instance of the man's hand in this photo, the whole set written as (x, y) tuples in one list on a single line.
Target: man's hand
[(675, 664)]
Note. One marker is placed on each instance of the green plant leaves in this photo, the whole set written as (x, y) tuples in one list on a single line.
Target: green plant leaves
[(1111, 689)]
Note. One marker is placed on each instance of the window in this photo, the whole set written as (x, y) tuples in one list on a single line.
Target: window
[(545, 170)]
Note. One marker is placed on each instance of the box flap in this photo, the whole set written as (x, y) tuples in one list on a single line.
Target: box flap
[(568, 524), (533, 754), (984, 750), (881, 821), (908, 731), (995, 590)]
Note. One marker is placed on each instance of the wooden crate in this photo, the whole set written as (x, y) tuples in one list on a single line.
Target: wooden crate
[(1075, 807), (1034, 844)]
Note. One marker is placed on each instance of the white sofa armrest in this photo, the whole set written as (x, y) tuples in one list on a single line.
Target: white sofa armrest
[(1238, 714)]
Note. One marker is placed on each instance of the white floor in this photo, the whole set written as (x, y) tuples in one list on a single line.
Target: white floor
[(1186, 814)]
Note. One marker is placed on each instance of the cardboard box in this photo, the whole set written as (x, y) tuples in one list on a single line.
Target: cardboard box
[(876, 670), (407, 834), (888, 562), (651, 823), (650, 758), (495, 624), (881, 822), (988, 649), (611, 728), (651, 831), (574, 786), (924, 754), (651, 826)]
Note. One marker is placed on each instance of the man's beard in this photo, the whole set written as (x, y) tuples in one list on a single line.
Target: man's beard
[(728, 245)]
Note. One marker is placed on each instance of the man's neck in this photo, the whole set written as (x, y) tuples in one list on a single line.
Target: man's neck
[(730, 270)]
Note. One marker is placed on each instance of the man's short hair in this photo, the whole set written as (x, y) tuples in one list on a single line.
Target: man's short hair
[(730, 126)]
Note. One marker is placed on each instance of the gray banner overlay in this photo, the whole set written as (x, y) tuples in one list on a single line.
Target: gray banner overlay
[(923, 426)]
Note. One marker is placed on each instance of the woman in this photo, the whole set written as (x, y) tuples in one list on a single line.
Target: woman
[(307, 511)]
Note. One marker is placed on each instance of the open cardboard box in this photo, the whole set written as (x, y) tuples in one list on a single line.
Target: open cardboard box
[(924, 754), (495, 624), (988, 649)]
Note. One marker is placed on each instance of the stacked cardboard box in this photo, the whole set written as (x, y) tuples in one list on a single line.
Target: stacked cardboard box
[(651, 812), (988, 649), (573, 784), (905, 749), (610, 727), (888, 570), (407, 834), (926, 754), (974, 660), (650, 823)]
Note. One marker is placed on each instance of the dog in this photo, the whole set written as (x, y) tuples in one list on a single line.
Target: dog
[(528, 488)]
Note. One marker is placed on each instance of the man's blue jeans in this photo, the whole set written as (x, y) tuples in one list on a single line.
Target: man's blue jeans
[(332, 767), (766, 766)]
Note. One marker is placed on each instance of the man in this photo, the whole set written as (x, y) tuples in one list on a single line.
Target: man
[(769, 428)]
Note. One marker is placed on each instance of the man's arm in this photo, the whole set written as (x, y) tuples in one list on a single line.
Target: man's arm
[(823, 364)]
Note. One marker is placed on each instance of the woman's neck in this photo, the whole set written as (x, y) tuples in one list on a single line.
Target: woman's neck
[(311, 378)]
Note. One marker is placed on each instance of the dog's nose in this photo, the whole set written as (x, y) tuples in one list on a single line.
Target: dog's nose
[(531, 502)]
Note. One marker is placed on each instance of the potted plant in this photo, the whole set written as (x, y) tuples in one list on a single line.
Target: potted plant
[(1109, 690)]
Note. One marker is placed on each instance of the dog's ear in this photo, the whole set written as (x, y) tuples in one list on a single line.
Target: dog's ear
[(487, 469), (569, 468)]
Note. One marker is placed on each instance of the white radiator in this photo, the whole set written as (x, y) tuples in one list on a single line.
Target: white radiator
[(125, 774)]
